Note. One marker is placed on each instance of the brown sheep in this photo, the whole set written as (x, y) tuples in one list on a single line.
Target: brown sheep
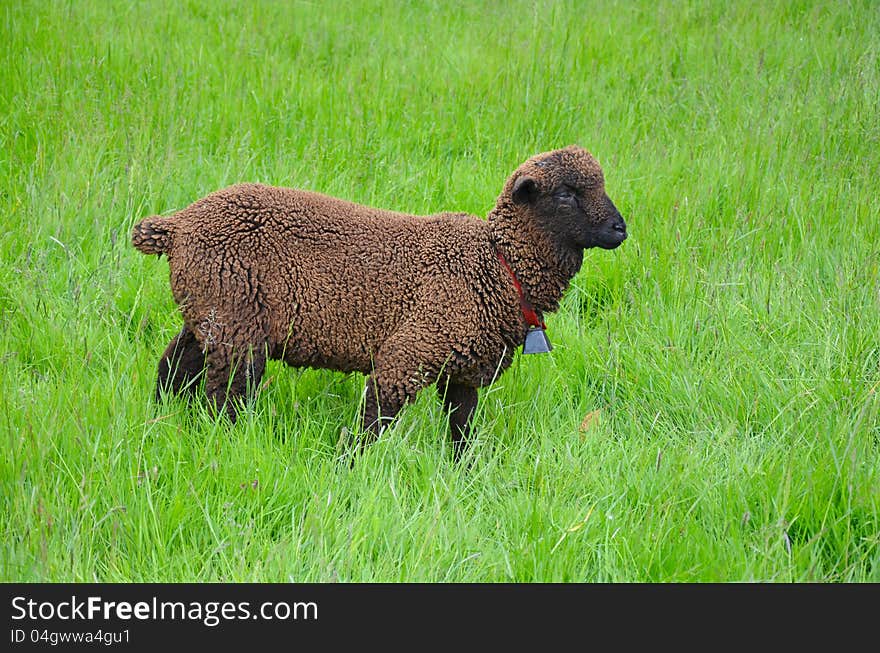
[(261, 272)]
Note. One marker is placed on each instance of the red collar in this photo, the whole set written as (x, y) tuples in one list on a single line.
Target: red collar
[(531, 315)]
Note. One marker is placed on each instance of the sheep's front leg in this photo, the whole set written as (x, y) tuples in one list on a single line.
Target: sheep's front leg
[(460, 401), (379, 408), (393, 383), (402, 368), (181, 365)]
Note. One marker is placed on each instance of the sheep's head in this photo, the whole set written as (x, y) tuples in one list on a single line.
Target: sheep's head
[(564, 192)]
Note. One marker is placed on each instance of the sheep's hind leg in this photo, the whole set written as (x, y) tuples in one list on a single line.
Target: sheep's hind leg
[(460, 401), (181, 365), (233, 376)]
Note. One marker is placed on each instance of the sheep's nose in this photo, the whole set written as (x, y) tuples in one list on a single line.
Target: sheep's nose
[(619, 227)]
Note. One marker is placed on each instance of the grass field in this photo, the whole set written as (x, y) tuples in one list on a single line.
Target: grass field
[(728, 354)]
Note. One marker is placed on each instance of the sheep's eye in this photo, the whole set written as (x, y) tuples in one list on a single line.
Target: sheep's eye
[(567, 195)]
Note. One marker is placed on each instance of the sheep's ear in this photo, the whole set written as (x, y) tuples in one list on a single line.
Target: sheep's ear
[(525, 189)]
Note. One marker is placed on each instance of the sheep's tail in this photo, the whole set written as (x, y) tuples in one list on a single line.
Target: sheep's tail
[(153, 235)]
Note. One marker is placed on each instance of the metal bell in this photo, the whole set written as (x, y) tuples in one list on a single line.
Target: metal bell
[(536, 342)]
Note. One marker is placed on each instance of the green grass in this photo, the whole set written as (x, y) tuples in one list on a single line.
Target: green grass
[(731, 345)]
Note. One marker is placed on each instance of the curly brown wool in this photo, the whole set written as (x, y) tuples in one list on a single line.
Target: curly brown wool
[(261, 272)]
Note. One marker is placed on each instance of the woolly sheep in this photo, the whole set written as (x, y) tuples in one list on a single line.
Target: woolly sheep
[(262, 272)]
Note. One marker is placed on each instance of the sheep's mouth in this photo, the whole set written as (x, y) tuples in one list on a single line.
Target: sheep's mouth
[(612, 244), (612, 236)]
